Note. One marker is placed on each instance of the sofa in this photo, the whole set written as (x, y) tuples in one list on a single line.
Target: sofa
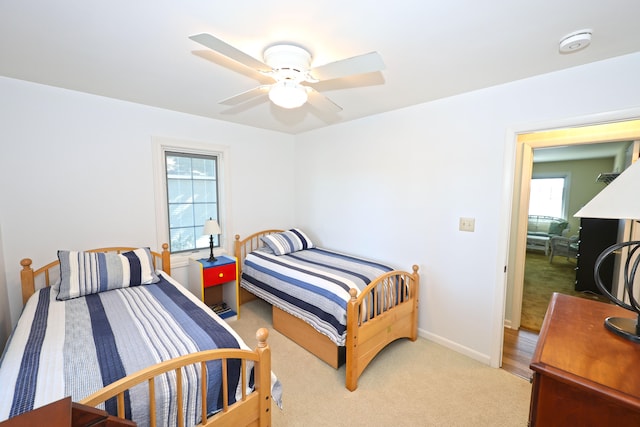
[(541, 228)]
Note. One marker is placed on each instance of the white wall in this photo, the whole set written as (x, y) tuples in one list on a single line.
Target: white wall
[(393, 187), (5, 311), (76, 173)]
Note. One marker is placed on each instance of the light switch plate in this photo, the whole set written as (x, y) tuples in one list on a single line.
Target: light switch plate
[(467, 224)]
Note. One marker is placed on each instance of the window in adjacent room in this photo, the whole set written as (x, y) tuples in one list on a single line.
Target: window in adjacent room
[(548, 196), (192, 198)]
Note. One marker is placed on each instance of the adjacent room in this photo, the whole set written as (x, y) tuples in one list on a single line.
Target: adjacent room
[(217, 154), (563, 180)]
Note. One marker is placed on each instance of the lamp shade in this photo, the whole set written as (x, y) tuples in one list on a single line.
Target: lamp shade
[(618, 200), (211, 227), (288, 94)]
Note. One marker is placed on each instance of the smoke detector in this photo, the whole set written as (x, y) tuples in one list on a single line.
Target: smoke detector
[(575, 41)]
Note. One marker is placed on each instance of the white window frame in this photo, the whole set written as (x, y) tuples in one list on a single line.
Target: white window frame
[(161, 145), (565, 191)]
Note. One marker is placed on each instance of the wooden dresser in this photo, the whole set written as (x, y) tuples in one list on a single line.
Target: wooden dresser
[(584, 375), (65, 413)]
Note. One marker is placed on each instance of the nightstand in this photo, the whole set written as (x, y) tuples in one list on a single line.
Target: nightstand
[(217, 283)]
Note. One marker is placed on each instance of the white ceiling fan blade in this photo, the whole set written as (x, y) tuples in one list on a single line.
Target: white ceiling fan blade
[(246, 96), (321, 102), (230, 52), (367, 63)]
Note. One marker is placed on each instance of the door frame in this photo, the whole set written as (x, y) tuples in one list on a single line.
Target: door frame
[(628, 130), (508, 297)]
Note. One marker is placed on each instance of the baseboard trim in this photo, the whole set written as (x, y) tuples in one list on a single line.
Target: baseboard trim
[(482, 358)]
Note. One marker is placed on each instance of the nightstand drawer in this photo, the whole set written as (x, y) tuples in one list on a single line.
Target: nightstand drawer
[(216, 275)]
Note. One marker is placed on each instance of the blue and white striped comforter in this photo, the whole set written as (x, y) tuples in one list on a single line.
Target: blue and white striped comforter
[(311, 284), (76, 347)]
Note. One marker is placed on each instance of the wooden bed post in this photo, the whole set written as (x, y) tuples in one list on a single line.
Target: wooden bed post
[(263, 378), (166, 259), (351, 369), (240, 253), (416, 297), (237, 252), (27, 279)]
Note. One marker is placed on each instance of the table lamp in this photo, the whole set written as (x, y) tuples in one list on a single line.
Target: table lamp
[(211, 227), (619, 200)]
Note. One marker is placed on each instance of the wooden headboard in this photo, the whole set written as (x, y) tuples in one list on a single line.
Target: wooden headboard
[(243, 247), (28, 275), (249, 244)]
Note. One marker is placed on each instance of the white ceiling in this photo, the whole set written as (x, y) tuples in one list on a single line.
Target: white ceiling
[(139, 50)]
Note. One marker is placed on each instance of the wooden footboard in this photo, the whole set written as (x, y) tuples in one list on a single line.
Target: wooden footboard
[(385, 311), (252, 409), (394, 296)]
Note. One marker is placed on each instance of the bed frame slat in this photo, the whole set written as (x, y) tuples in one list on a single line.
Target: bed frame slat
[(203, 389), (121, 405), (180, 397)]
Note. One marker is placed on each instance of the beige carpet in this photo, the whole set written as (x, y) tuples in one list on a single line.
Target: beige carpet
[(541, 280), (409, 384)]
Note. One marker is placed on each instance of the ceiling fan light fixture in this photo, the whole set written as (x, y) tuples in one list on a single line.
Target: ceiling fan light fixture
[(289, 66), (288, 94)]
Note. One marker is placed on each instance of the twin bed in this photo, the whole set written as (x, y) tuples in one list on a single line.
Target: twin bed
[(341, 308), (150, 351), (147, 348)]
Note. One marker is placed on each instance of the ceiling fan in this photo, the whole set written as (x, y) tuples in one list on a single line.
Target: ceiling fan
[(290, 66)]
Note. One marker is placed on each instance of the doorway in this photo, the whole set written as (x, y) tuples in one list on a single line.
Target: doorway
[(563, 180), (525, 144)]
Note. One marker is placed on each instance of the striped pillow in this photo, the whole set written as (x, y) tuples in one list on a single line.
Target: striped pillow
[(84, 273), (287, 241)]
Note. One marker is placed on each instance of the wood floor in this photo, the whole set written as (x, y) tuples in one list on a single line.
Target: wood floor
[(517, 351)]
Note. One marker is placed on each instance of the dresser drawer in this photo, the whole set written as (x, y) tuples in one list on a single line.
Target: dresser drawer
[(216, 275)]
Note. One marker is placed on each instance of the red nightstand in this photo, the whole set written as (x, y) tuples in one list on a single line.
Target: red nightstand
[(218, 284)]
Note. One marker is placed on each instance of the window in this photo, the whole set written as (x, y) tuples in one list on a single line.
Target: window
[(190, 186), (548, 197), (192, 198)]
